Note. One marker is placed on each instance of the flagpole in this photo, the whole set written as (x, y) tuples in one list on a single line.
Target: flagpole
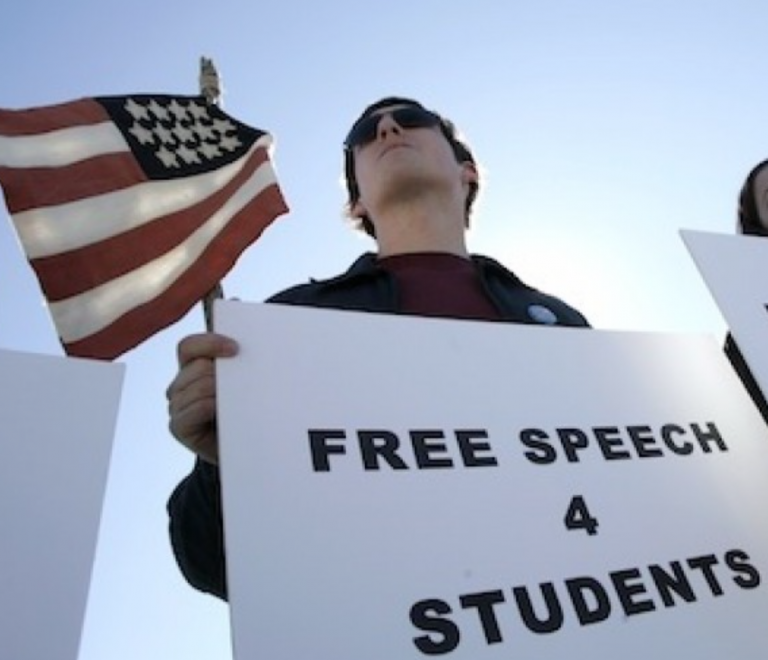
[(210, 89)]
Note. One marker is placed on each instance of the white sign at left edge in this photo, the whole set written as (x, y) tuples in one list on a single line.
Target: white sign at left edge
[(58, 422)]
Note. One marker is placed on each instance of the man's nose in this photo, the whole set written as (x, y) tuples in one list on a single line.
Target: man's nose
[(387, 126)]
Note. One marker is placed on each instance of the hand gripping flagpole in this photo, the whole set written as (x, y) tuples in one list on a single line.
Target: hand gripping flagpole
[(210, 89)]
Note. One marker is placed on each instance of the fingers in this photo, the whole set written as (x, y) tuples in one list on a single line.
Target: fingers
[(205, 345), (195, 383), (190, 377), (192, 393), (194, 427), (196, 354)]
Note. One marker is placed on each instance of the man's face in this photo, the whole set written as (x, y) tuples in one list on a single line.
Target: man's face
[(401, 158)]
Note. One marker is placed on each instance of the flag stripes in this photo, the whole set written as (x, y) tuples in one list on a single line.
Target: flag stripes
[(53, 229), (144, 320), (41, 188), (68, 274), (50, 118), (61, 147), (170, 277)]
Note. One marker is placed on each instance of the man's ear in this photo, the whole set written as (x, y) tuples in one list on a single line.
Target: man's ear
[(469, 172), (357, 210)]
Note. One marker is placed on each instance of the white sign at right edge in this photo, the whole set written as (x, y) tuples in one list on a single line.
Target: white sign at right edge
[(735, 269)]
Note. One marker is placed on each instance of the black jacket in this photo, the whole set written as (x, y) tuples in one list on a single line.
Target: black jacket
[(195, 505), (369, 288)]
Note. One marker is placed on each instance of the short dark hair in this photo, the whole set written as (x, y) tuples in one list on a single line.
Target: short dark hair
[(460, 149), (749, 218)]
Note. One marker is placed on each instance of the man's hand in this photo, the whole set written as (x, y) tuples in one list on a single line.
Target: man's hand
[(192, 393)]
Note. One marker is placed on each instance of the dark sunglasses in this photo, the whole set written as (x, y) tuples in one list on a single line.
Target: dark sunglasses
[(365, 130)]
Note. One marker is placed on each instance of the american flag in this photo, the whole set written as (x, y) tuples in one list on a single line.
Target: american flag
[(131, 208)]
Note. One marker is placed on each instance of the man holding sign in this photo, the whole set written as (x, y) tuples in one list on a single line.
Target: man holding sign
[(412, 183)]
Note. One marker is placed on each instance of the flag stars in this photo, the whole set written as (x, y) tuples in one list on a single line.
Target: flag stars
[(204, 132), (143, 135), (177, 110), (168, 158), (166, 137), (158, 110), (210, 151), (230, 143), (223, 126), (136, 111), (198, 111), (181, 132), (188, 155)]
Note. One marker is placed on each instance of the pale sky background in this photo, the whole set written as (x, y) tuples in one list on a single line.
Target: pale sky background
[(602, 127)]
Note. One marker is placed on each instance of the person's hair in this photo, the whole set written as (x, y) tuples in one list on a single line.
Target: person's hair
[(460, 149), (749, 219)]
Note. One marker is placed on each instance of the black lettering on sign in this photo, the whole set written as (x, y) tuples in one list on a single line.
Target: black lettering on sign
[(737, 561), (320, 448), (381, 449), (376, 445), (668, 431), (615, 443), (542, 453), (708, 437), (471, 443), (430, 616), (629, 586), (611, 443), (586, 591), (578, 517), (544, 608), (552, 621), (484, 602), (643, 440), (573, 441), (427, 447), (672, 580), (705, 564)]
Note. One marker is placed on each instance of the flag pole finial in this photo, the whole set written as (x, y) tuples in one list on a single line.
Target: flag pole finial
[(210, 85), (210, 89)]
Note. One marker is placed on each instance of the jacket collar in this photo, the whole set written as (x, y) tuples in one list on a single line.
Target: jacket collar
[(366, 265)]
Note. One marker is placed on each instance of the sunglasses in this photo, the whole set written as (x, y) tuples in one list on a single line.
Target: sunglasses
[(365, 130)]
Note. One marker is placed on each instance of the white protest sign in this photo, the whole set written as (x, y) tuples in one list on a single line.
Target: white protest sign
[(58, 419), (399, 487), (735, 269)]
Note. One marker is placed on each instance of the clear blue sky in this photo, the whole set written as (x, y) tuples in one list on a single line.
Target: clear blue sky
[(602, 128)]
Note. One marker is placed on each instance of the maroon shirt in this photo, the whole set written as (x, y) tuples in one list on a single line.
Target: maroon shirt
[(439, 284)]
